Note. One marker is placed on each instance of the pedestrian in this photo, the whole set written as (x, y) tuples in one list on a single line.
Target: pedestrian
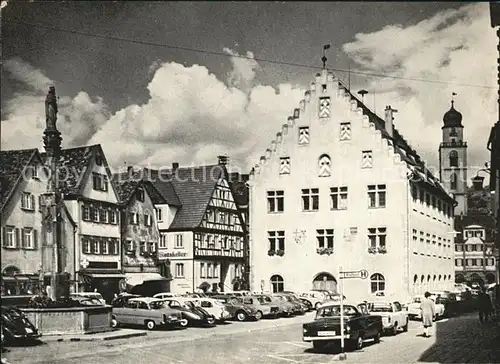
[(484, 306), (428, 309)]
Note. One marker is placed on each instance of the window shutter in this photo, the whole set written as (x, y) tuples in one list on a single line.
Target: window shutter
[(4, 236), (17, 238), (102, 244), (23, 238), (35, 239), (33, 202)]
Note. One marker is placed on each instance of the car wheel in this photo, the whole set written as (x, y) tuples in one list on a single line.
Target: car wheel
[(114, 322), (184, 323), (394, 330), (319, 345), (150, 325), (241, 316), (258, 315), (210, 320), (358, 343), (405, 327), (376, 339), (316, 306)]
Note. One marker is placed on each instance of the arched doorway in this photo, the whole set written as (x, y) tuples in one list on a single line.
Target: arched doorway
[(476, 278), (325, 281), (490, 278), (11, 271)]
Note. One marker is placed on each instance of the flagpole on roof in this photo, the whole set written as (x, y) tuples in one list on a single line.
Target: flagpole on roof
[(324, 59)]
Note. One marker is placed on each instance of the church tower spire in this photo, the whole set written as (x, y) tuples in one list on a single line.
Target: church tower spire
[(453, 158)]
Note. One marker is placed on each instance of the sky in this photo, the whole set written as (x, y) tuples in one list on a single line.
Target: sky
[(180, 93)]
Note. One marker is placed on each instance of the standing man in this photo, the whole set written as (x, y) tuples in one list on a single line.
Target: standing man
[(428, 312), (484, 306)]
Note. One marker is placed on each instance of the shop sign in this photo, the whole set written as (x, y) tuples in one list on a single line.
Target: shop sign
[(174, 254)]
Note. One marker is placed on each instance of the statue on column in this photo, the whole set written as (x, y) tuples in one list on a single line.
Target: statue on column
[(51, 109)]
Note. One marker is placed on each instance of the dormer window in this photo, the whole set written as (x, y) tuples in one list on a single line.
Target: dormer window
[(303, 135), (140, 195), (324, 107), (34, 171)]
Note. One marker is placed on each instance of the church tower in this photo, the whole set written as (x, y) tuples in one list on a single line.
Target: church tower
[(453, 158)]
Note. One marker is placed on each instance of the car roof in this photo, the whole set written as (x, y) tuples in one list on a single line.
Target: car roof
[(144, 299), (337, 303)]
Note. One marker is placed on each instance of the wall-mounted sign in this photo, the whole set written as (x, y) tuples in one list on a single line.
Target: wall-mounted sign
[(173, 254), (84, 263)]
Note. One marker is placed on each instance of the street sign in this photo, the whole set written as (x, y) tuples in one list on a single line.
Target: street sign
[(363, 274)]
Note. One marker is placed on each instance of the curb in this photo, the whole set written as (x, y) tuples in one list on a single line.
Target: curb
[(91, 337)]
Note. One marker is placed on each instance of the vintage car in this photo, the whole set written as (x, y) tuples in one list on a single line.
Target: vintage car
[(238, 309), (394, 318), (88, 298), (16, 326), (147, 311), (359, 326), (449, 301), (194, 314), (315, 298), (163, 295), (213, 307), (264, 309), (415, 313), (297, 307), (292, 298)]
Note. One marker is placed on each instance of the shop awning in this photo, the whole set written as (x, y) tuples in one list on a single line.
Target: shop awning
[(134, 279), (106, 275)]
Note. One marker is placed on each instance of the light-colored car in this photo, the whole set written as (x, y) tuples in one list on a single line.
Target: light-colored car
[(163, 295), (88, 298), (414, 311), (213, 307), (394, 318), (314, 297), (147, 311)]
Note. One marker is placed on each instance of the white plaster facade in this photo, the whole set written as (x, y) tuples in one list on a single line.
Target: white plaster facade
[(348, 165)]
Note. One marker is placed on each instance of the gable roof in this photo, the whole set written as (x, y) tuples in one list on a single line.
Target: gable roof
[(12, 165), (239, 188), (401, 146), (194, 187), (74, 166), (190, 188), (486, 222)]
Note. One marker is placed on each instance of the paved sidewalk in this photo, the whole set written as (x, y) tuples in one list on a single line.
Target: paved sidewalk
[(464, 340)]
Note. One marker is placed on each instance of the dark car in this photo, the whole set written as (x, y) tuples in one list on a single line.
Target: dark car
[(298, 307), (194, 315), (291, 297), (359, 326), (16, 326), (449, 301)]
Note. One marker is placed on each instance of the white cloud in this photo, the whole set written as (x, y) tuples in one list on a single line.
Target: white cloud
[(454, 45), (244, 69), (78, 117)]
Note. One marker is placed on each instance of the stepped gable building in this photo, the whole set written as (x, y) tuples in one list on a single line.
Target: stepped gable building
[(26, 259), (453, 159), (91, 198), (339, 188), (202, 232), (140, 237)]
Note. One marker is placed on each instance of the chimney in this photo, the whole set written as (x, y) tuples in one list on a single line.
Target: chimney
[(130, 170), (389, 120), (223, 159), (175, 166), (477, 183)]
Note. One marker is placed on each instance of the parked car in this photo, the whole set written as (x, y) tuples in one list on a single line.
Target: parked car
[(285, 308), (239, 311), (359, 326), (414, 311), (194, 315), (334, 297), (264, 309), (297, 307), (449, 301), (16, 326), (147, 311), (88, 298), (394, 318), (315, 298), (291, 297), (214, 307), (163, 295)]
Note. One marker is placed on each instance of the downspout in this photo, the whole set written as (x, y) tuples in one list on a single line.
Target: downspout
[(193, 240), (408, 216)]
